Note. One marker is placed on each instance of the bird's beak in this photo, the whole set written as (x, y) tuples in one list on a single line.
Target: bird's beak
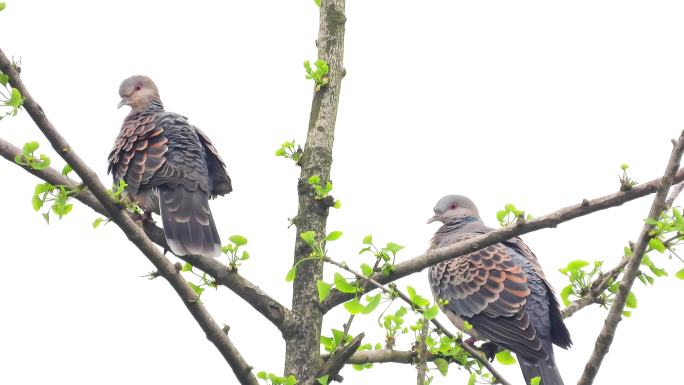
[(434, 218), (123, 102)]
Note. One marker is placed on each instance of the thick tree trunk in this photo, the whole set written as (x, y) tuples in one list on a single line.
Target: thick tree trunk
[(303, 330)]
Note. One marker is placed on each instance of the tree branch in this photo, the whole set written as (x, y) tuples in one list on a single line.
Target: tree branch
[(598, 286), (252, 294), (303, 331), (552, 220), (134, 233), (607, 333)]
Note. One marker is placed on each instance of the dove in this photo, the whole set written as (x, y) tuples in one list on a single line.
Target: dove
[(501, 291), (170, 167)]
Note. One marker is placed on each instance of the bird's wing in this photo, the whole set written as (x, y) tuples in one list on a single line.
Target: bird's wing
[(139, 155), (489, 290), (220, 180), (559, 332)]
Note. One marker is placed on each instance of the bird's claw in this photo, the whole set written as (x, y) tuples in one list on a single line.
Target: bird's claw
[(489, 349)]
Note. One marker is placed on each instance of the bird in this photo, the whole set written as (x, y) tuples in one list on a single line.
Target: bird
[(170, 167), (501, 291)]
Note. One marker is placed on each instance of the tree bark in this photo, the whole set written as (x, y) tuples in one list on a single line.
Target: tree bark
[(303, 329)]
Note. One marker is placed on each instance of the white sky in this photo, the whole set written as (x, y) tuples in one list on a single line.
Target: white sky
[(531, 102)]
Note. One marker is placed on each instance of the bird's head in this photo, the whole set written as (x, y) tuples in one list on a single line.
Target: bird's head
[(453, 207), (138, 92)]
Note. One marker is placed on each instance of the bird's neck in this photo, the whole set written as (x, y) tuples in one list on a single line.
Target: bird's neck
[(462, 225), (153, 107)]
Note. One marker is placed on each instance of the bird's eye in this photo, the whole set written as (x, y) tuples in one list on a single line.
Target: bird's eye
[(138, 87), (453, 206)]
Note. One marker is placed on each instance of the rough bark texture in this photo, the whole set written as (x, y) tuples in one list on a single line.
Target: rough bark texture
[(607, 334), (303, 330)]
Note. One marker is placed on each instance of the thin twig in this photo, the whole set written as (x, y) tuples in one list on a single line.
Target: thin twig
[(551, 220), (598, 286), (607, 333), (166, 269)]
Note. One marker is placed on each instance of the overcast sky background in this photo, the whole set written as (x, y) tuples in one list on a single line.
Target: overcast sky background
[(531, 102)]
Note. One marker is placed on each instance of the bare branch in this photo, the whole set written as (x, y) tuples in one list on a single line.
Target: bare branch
[(134, 233), (335, 362), (552, 220), (674, 194), (607, 333)]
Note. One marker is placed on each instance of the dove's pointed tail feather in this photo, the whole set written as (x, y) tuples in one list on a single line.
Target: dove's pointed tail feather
[(188, 224), (545, 369)]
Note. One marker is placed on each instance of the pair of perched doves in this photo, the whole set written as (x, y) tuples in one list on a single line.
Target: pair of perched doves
[(170, 167), (500, 290)]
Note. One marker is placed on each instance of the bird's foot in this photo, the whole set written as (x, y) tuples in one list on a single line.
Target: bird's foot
[(489, 349)]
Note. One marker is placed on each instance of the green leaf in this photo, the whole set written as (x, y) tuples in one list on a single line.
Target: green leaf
[(627, 313), (415, 298), (238, 240), (501, 215), (318, 3), (565, 294), (42, 164), (342, 285), (472, 378), (46, 216), (37, 202), (290, 380), (535, 380), (323, 289), (431, 312), (291, 274), (631, 301), (505, 358), (309, 237), (337, 204), (373, 303), (315, 179), (186, 267), (354, 306), (15, 99), (576, 264), (4, 79), (29, 148), (366, 269), (323, 380), (367, 240), (393, 247), (97, 222), (66, 170), (656, 244), (680, 274), (442, 366), (467, 325), (262, 375), (333, 236), (198, 290)]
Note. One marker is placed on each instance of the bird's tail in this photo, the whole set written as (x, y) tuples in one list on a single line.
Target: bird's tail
[(545, 369), (188, 225)]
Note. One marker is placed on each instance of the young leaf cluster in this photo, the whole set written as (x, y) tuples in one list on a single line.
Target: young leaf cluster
[(10, 97), (28, 159), (317, 250), (287, 150), (118, 196), (205, 280), (626, 183), (319, 75), (59, 195), (511, 215), (272, 379), (322, 190), (231, 250), (667, 234), (384, 257)]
